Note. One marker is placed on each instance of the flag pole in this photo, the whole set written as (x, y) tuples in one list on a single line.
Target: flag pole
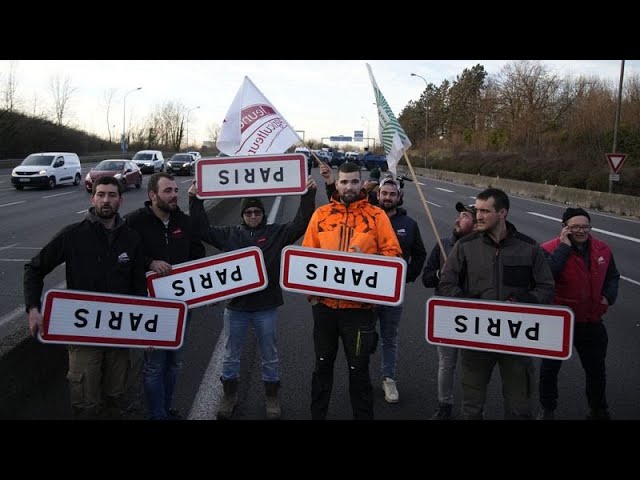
[(426, 205)]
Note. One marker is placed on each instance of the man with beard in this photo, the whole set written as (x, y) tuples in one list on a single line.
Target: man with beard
[(388, 196), (101, 254), (496, 262), (348, 223), (168, 238), (447, 356)]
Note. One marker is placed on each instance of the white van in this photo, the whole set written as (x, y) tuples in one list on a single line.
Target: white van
[(149, 161), (47, 169)]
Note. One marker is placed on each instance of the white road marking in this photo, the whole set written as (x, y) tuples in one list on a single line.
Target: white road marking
[(6, 189), (14, 314), (12, 203), (434, 204), (444, 190), (629, 280), (9, 246), (606, 232), (83, 211), (14, 259), (205, 405), (57, 194)]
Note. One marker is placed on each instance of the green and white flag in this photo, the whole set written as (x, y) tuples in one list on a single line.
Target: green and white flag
[(392, 135)]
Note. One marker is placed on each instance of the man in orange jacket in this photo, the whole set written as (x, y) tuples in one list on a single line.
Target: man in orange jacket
[(348, 223)]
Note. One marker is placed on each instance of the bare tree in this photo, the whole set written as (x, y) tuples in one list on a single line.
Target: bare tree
[(61, 91), (213, 130), (108, 99), (9, 98)]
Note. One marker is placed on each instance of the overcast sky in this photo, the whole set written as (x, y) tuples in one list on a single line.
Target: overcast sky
[(321, 97)]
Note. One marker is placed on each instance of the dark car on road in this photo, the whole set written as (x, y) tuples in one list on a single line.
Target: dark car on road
[(181, 164), (124, 170)]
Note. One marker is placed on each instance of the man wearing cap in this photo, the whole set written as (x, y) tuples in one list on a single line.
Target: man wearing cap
[(496, 262), (257, 308), (447, 356), (586, 281)]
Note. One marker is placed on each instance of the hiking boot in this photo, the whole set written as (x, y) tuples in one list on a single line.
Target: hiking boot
[(545, 414), (271, 401), (599, 414), (443, 412), (390, 391), (230, 399)]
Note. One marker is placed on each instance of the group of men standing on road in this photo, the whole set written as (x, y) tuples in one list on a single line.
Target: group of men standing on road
[(487, 258)]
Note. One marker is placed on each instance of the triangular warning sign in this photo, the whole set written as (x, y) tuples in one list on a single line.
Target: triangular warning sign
[(616, 160)]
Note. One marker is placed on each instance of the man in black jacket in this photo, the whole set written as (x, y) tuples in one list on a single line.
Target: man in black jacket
[(101, 254), (257, 308), (168, 238)]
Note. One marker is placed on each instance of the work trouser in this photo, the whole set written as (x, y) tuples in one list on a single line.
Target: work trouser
[(590, 341), (94, 371), (516, 372), (356, 327)]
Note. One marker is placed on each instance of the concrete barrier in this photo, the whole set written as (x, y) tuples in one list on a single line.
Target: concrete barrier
[(625, 205)]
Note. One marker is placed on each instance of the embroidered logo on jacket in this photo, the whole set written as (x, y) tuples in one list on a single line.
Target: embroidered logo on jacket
[(600, 260), (177, 233), (123, 257), (401, 232)]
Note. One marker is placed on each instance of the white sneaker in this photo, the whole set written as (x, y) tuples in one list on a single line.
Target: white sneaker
[(390, 391)]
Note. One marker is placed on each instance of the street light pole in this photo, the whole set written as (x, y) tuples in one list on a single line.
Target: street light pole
[(124, 113), (367, 119), (426, 115), (194, 108)]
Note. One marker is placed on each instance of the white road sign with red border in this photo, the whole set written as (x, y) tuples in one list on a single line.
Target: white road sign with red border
[(253, 175), (111, 320), (524, 329), (349, 276), (212, 279), (616, 160)]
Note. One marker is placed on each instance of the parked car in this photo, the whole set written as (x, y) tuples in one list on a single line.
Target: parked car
[(124, 170), (149, 161), (182, 164), (47, 169), (338, 159)]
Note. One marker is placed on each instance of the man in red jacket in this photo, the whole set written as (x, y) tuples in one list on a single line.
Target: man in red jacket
[(586, 281)]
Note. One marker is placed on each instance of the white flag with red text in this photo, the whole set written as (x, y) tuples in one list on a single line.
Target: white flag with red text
[(253, 126)]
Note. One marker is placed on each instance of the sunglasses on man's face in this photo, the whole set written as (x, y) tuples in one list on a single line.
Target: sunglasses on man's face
[(252, 213)]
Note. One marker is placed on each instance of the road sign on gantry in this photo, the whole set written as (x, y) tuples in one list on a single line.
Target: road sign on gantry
[(616, 160), (522, 329)]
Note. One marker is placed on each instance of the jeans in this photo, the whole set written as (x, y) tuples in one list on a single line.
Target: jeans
[(447, 359), (359, 339), (590, 340), (236, 325), (517, 376), (389, 318), (160, 373)]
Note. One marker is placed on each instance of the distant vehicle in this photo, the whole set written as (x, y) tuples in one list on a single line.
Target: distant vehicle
[(149, 161), (124, 170), (182, 164), (324, 156), (372, 161), (196, 155), (47, 169), (338, 159), (307, 154)]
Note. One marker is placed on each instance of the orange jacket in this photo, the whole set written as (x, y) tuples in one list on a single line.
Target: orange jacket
[(336, 226)]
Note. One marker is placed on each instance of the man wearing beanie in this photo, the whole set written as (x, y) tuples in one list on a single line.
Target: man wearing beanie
[(258, 308), (587, 282)]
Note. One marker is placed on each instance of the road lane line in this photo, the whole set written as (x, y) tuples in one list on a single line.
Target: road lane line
[(205, 405), (6, 189), (57, 194), (444, 190), (14, 259), (83, 211), (629, 280), (12, 203), (606, 232), (9, 246)]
